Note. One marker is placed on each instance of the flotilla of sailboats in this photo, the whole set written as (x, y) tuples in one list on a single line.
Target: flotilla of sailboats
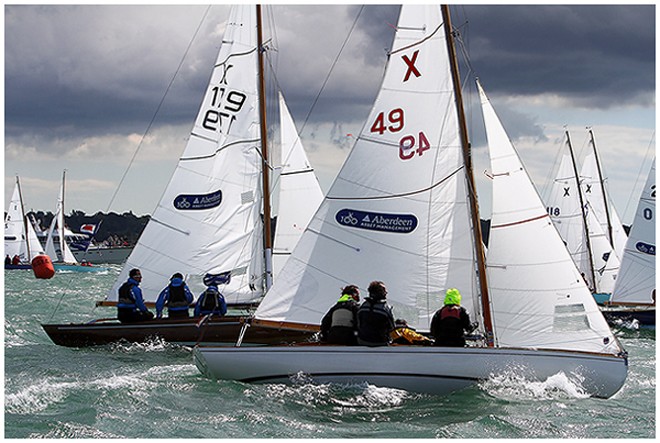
[(404, 206)]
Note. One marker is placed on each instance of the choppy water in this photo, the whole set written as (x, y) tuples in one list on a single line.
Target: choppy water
[(155, 391)]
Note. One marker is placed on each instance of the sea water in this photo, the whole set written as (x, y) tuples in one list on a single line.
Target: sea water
[(155, 391)]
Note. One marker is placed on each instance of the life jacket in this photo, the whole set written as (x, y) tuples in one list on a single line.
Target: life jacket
[(375, 321), (450, 311), (126, 294), (210, 300), (343, 316), (177, 297)]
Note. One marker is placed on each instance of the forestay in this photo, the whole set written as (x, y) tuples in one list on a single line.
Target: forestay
[(538, 297), (397, 211), (636, 281), (208, 219)]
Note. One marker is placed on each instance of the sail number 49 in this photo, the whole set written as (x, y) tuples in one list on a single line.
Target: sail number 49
[(409, 145)]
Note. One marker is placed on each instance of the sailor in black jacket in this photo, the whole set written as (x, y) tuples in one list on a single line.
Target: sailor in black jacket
[(375, 318)]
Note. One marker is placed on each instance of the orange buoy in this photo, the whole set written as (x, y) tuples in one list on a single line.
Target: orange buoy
[(42, 266)]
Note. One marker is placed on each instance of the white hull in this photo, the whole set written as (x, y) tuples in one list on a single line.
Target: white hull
[(429, 370), (112, 255)]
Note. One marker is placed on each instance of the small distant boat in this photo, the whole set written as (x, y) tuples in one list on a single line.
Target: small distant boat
[(62, 257), (633, 297), (20, 237)]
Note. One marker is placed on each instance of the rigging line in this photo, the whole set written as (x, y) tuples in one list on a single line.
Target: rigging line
[(405, 194), (327, 78), (160, 104), (334, 63)]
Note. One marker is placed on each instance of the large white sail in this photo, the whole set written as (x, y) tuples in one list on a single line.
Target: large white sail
[(208, 219), (635, 283), (398, 210), (18, 241), (57, 229), (300, 193), (537, 295)]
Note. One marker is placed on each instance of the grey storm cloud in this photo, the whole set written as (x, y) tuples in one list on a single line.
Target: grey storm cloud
[(76, 70)]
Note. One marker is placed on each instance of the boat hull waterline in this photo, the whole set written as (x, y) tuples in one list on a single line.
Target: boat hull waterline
[(218, 331), (429, 370)]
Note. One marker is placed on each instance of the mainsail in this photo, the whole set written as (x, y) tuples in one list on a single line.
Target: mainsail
[(397, 211), (636, 281), (210, 219)]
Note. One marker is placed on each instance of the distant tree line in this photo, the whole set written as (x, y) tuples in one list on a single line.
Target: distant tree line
[(127, 226)]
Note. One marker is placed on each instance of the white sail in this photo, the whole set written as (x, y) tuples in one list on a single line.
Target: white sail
[(602, 255), (537, 296), (56, 230), (635, 283), (208, 219), (398, 210), (593, 193), (18, 241), (563, 206), (300, 193)]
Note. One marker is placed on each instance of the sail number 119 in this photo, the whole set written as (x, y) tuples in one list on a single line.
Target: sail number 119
[(223, 108), (409, 145)]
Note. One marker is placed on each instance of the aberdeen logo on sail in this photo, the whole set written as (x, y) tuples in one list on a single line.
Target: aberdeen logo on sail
[(184, 202), (397, 223), (645, 248)]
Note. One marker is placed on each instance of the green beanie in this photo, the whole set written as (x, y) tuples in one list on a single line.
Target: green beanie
[(453, 297)]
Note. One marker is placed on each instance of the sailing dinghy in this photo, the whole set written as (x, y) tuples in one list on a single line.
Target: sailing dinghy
[(20, 237), (210, 218), (634, 293), (56, 246), (402, 209)]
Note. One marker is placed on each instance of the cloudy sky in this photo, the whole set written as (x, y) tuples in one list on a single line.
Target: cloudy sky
[(83, 85)]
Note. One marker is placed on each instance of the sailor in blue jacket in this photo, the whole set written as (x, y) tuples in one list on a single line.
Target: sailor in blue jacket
[(211, 301), (176, 296), (130, 306)]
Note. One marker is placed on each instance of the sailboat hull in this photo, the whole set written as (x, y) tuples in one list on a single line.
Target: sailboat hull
[(223, 331), (644, 315), (431, 370), (70, 267)]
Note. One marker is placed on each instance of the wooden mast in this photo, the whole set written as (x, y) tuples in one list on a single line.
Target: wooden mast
[(467, 158), (602, 188), (584, 216), (265, 171)]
